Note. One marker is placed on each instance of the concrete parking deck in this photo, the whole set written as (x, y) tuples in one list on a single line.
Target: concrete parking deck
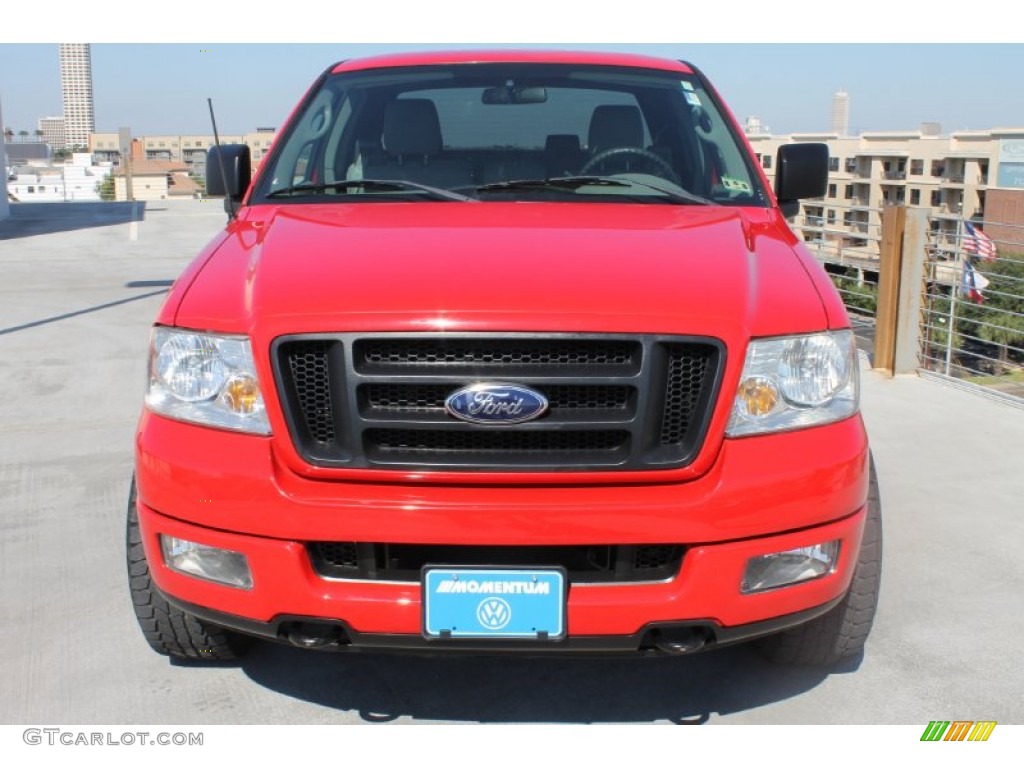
[(75, 309)]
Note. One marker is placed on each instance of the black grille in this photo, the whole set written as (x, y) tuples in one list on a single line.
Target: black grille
[(495, 353), (311, 384), (687, 372), (615, 403), (583, 564), (478, 441)]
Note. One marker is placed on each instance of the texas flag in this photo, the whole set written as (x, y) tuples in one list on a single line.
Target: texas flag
[(973, 283), (978, 243)]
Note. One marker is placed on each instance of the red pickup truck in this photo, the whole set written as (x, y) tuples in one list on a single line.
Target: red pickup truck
[(506, 352)]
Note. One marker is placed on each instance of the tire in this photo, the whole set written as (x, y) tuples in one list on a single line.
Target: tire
[(169, 630), (842, 632)]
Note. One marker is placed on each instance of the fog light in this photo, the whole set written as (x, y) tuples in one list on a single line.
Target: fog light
[(793, 566), (220, 565)]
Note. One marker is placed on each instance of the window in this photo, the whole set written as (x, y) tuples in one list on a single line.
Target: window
[(503, 122), (936, 198), (848, 218), (915, 197), (851, 164), (917, 167), (831, 190), (833, 164), (848, 192), (831, 216), (938, 168)]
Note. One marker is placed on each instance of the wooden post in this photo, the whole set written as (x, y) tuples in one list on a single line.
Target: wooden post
[(912, 291), (889, 269)]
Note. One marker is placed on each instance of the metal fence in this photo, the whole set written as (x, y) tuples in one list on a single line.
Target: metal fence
[(849, 253), (970, 284), (972, 319)]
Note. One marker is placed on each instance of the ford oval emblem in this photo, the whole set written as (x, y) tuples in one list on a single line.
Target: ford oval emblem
[(496, 404)]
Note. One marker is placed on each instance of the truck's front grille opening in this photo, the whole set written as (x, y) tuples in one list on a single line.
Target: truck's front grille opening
[(377, 401), (584, 564), (498, 354)]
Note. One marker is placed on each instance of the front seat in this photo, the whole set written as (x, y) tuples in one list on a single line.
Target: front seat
[(615, 125), (412, 144)]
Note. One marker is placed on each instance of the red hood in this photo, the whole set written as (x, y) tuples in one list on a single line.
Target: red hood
[(504, 266)]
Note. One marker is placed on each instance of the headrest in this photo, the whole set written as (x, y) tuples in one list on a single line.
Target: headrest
[(614, 125), (411, 127)]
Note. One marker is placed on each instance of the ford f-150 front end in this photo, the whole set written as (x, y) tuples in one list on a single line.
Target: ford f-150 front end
[(506, 352)]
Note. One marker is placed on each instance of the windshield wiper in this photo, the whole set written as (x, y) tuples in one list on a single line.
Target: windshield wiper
[(370, 184), (575, 182), (562, 182), (679, 195)]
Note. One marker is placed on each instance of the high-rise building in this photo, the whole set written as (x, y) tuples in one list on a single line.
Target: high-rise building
[(841, 113), (52, 129), (76, 89)]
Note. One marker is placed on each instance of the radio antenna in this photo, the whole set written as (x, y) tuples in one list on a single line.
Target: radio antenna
[(229, 204)]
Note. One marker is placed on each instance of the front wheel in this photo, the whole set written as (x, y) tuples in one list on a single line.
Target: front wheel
[(842, 631), (169, 630)]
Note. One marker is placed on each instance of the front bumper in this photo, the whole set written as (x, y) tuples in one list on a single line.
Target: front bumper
[(764, 494)]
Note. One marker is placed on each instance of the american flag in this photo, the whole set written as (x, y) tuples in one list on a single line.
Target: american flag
[(978, 243)]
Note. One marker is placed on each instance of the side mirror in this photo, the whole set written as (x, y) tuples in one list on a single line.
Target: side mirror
[(801, 171), (233, 181)]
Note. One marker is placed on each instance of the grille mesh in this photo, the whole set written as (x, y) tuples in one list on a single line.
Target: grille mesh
[(687, 372), (602, 563), (311, 377), (514, 442), (496, 353)]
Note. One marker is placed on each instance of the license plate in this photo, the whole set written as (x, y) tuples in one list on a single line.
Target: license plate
[(500, 603)]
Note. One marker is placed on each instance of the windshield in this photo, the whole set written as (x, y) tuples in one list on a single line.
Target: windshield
[(511, 132)]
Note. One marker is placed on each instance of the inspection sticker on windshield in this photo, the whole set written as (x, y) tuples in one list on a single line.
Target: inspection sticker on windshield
[(735, 185), (512, 603), (692, 98), (686, 85)]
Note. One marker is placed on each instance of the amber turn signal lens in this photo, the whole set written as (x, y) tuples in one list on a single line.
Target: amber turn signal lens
[(241, 394), (757, 396)]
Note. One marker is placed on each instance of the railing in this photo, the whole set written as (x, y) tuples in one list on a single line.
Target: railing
[(972, 324), (849, 251)]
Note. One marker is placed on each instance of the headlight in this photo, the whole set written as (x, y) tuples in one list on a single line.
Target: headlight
[(205, 379), (795, 382)]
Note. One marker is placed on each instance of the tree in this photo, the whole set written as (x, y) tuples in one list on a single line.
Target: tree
[(105, 188), (23, 135), (1000, 319), (9, 135)]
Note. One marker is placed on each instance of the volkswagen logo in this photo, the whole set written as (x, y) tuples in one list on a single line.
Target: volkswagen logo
[(496, 404), (493, 613)]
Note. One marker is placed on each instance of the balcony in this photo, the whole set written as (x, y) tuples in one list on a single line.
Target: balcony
[(895, 175)]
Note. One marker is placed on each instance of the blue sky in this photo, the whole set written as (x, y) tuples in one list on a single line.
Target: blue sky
[(157, 87)]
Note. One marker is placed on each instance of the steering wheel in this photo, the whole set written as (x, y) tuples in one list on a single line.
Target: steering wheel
[(663, 168)]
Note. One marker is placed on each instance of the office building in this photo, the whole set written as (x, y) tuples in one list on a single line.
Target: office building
[(76, 91), (52, 132)]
